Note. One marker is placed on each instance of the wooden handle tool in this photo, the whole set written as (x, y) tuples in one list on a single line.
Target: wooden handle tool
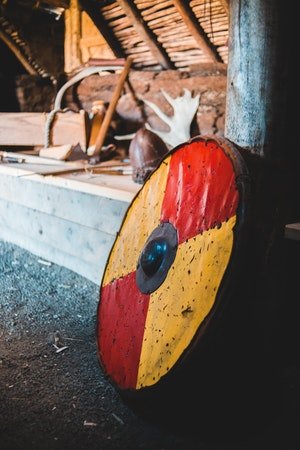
[(111, 108)]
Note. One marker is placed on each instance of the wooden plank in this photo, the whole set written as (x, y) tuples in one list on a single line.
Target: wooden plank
[(160, 12), (69, 222), (28, 129), (94, 11), (146, 34), (292, 231), (106, 62), (60, 152), (25, 169), (108, 9), (197, 31), (71, 167), (109, 186), (92, 272), (146, 10), (92, 43), (88, 210), (78, 241), (23, 158)]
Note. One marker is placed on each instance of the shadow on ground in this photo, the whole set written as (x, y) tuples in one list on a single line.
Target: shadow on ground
[(60, 399)]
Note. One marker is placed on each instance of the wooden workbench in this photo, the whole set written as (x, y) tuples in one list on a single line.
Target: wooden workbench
[(69, 219)]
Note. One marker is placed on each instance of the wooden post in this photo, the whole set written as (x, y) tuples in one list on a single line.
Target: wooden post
[(72, 37), (257, 119), (257, 83)]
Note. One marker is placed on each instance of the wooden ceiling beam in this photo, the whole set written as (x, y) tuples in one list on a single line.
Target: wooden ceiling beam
[(18, 54), (197, 31), (146, 34), (10, 35), (94, 11)]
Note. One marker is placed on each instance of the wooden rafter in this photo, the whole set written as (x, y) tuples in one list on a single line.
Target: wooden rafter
[(18, 54), (94, 11), (146, 34), (11, 36), (197, 31)]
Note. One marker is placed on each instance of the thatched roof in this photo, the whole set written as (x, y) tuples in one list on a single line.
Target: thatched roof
[(164, 33), (158, 34)]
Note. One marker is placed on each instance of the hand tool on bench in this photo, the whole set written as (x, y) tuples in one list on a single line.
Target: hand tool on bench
[(30, 159)]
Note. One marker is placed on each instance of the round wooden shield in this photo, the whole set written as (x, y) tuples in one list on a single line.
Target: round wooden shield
[(164, 279)]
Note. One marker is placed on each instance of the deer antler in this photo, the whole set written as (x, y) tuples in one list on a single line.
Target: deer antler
[(184, 108)]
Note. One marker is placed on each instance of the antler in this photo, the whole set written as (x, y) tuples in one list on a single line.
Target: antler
[(184, 108)]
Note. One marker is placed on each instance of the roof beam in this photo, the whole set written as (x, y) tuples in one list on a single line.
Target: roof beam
[(18, 54), (146, 33), (94, 11), (197, 31)]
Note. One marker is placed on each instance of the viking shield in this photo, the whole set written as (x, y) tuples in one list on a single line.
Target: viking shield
[(165, 281)]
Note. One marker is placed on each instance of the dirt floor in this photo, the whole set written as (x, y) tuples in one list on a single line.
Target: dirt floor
[(53, 399)]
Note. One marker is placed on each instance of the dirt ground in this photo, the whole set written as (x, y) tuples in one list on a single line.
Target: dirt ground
[(53, 399)]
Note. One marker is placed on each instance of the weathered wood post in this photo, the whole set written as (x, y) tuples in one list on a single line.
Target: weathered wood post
[(257, 120), (257, 77), (262, 85)]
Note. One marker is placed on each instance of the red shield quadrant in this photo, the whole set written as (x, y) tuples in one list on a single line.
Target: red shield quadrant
[(143, 333)]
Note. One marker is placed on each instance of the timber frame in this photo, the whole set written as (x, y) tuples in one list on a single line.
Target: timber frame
[(157, 35), (169, 34), (12, 37)]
